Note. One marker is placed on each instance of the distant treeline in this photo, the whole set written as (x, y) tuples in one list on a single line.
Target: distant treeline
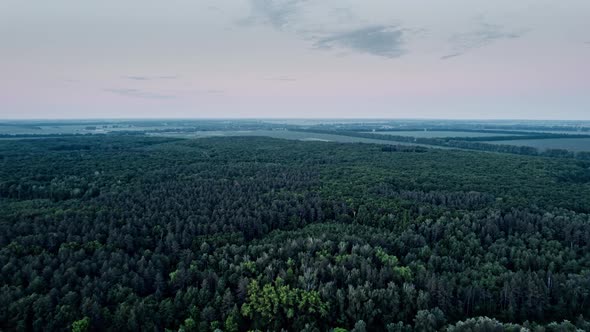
[(45, 135), (404, 148), (507, 134), (539, 128), (471, 143)]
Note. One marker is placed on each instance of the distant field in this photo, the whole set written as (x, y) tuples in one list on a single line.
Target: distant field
[(437, 134), (572, 144), (286, 134)]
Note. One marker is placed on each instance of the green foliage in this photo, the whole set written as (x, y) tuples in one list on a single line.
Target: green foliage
[(188, 325), (387, 260), (484, 324), (249, 266), (360, 326), (231, 323), (403, 272), (429, 320), (81, 325), (173, 275), (277, 301)]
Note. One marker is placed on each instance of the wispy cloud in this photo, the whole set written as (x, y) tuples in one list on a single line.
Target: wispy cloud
[(150, 78), (210, 91), (379, 40), (281, 79), (484, 35), (346, 33), (449, 56), (136, 93), (385, 41)]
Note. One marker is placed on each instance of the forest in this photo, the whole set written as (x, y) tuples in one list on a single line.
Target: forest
[(128, 232), (472, 143)]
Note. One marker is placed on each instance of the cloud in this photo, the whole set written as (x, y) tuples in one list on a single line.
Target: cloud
[(277, 13), (484, 35), (281, 78), (448, 56), (135, 93), (210, 91), (293, 15), (385, 41), (149, 78), (193, 92)]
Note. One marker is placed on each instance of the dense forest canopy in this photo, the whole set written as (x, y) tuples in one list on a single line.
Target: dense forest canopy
[(126, 232)]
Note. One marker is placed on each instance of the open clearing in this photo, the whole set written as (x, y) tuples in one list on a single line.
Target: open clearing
[(284, 134), (572, 144)]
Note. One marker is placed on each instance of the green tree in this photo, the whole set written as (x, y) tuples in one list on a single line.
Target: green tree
[(81, 325)]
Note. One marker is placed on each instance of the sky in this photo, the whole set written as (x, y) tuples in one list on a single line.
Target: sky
[(468, 59)]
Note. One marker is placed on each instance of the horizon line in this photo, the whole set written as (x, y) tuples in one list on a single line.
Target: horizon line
[(285, 118)]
